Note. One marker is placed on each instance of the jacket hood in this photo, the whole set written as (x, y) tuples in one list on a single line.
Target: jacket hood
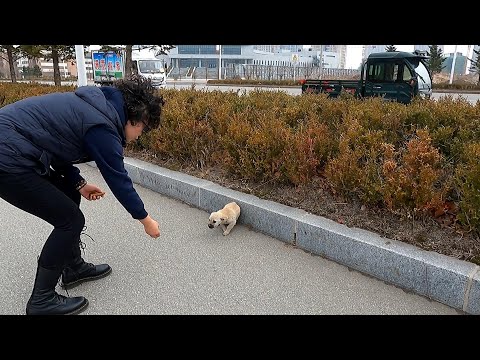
[(115, 98), (96, 98)]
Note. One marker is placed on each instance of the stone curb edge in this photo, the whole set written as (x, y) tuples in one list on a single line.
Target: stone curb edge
[(450, 281)]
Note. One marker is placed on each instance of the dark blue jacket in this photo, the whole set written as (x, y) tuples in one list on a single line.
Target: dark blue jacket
[(60, 129)]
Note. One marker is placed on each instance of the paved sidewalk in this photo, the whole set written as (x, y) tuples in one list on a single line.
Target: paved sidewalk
[(192, 269)]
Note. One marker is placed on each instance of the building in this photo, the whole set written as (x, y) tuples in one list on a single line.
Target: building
[(426, 48), (72, 67), (208, 56), (237, 61), (460, 63)]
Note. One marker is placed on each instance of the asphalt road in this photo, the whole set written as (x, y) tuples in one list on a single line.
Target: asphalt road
[(201, 85), (192, 269), (473, 98)]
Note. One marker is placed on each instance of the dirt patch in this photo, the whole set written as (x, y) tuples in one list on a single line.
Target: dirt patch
[(425, 232)]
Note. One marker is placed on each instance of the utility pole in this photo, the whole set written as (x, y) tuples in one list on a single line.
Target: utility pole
[(453, 64), (81, 70), (321, 61), (219, 62), (467, 61)]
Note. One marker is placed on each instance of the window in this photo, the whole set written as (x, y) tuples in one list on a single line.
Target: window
[(406, 73), (196, 49), (387, 71), (424, 80), (376, 72)]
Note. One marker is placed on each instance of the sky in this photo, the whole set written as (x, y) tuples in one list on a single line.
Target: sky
[(354, 53)]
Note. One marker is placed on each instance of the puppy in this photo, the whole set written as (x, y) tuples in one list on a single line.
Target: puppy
[(226, 217)]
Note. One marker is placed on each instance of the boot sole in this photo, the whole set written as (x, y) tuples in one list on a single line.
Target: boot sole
[(79, 281), (80, 309), (74, 312)]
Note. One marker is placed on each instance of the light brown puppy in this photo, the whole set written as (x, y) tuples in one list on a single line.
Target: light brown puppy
[(226, 217)]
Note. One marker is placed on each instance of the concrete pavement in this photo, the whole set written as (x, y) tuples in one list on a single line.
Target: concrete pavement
[(269, 264)]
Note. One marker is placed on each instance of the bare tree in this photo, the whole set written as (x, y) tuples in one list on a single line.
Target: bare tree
[(13, 53)]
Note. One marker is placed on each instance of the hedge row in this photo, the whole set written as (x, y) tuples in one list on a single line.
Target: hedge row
[(422, 157)]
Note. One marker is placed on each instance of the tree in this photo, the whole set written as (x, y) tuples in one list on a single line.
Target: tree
[(475, 65), (13, 53), (29, 72), (56, 53), (435, 60), (390, 48), (37, 72)]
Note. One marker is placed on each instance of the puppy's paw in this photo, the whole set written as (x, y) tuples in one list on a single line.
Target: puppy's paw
[(226, 233)]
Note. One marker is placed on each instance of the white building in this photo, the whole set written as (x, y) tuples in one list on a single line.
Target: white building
[(183, 56), (47, 68), (331, 60)]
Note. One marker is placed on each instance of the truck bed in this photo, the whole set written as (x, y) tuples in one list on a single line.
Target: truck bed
[(331, 87)]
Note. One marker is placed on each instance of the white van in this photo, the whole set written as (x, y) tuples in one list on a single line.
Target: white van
[(147, 65)]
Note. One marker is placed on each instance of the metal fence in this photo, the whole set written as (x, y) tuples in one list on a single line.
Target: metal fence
[(273, 72)]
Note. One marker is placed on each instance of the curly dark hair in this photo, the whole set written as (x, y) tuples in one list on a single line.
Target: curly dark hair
[(141, 101)]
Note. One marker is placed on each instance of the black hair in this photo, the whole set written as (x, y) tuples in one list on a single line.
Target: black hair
[(141, 102)]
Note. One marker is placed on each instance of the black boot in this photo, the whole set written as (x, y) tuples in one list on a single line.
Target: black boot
[(79, 271), (45, 301)]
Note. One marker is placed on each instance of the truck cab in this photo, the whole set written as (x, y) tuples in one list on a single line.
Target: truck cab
[(396, 76), (151, 69), (147, 65)]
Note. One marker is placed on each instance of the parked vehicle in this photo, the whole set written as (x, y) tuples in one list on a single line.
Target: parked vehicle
[(395, 76), (110, 66)]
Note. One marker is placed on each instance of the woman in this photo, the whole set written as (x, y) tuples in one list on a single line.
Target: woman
[(41, 138)]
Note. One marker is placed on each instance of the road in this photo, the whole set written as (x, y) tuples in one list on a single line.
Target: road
[(473, 98), (192, 269), (202, 85)]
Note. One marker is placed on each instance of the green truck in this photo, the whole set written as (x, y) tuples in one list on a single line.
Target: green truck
[(395, 76)]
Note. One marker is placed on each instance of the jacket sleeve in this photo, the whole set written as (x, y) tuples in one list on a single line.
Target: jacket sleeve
[(105, 148)]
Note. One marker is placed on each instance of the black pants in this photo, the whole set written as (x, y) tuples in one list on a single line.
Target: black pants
[(52, 199)]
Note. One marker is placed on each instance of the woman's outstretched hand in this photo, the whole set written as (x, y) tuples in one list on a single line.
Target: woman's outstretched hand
[(151, 227), (91, 192)]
